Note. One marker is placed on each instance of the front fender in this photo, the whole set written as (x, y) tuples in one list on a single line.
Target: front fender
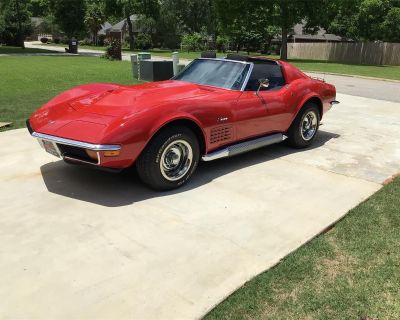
[(135, 134)]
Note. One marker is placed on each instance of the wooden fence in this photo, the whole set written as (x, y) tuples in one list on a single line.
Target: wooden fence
[(348, 52)]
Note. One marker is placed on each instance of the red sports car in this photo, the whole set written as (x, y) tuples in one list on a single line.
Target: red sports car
[(214, 108)]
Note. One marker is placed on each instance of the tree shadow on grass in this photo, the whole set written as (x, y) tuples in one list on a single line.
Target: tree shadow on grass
[(124, 188)]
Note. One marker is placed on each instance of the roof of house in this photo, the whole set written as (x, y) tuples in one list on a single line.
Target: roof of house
[(121, 25), (104, 28), (320, 35)]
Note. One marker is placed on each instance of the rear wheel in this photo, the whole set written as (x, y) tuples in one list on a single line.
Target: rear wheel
[(169, 159), (305, 126)]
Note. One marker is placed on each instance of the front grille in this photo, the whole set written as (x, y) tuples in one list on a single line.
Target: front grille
[(75, 152)]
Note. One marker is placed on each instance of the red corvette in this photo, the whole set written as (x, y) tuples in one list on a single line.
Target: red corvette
[(214, 108)]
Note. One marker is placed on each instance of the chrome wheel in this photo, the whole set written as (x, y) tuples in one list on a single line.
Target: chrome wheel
[(176, 160), (308, 126)]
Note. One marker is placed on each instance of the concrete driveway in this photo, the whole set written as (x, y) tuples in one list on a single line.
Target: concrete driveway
[(77, 243)]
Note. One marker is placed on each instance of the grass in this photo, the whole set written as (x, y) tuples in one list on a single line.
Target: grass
[(384, 71), (27, 82), (13, 50), (156, 52), (350, 272)]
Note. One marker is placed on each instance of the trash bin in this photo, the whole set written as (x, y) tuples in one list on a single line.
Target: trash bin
[(73, 46)]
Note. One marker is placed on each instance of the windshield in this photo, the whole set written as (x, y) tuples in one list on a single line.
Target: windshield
[(216, 73)]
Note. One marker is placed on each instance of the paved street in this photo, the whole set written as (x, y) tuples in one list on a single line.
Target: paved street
[(368, 88)]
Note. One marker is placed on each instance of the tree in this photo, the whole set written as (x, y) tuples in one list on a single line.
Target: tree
[(287, 13), (126, 8), (370, 20), (15, 22), (70, 16), (94, 16), (38, 8), (245, 24), (392, 25), (379, 20), (341, 18)]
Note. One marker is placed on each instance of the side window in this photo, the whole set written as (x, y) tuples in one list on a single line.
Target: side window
[(272, 72)]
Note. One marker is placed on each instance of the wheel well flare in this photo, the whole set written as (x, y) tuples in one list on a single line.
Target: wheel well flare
[(192, 126)]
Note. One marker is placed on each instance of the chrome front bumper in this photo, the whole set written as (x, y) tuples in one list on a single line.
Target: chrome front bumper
[(75, 143), (60, 144)]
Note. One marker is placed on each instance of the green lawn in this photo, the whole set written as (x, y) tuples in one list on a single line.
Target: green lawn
[(350, 272), (12, 50), (27, 82), (385, 72), (156, 52)]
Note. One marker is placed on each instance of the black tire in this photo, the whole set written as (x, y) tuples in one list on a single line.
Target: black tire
[(296, 136), (179, 141)]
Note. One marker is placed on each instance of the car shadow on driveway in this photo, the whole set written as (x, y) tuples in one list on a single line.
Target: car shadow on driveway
[(124, 188)]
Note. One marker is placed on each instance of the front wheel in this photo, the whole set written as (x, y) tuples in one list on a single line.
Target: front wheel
[(170, 159), (305, 126)]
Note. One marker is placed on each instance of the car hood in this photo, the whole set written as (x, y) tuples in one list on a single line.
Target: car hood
[(91, 111), (123, 100)]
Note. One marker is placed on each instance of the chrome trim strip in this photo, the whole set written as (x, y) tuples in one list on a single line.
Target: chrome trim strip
[(224, 153), (223, 59), (246, 80), (74, 143), (242, 147)]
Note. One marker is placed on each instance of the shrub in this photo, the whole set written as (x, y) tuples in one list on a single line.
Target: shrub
[(113, 51), (106, 42), (222, 43), (193, 42), (86, 42), (44, 40), (143, 41), (57, 40)]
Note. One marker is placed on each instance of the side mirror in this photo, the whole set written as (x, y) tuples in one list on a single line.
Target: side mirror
[(264, 83)]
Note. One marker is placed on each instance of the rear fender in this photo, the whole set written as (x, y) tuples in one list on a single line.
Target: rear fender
[(312, 96)]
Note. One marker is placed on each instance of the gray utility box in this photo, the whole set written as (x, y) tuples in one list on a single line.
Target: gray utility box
[(151, 70)]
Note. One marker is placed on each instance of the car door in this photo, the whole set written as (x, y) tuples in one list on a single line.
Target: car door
[(263, 113), (266, 111)]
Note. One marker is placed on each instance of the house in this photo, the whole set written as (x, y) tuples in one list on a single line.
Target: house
[(122, 26), (105, 27), (158, 39), (299, 35)]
